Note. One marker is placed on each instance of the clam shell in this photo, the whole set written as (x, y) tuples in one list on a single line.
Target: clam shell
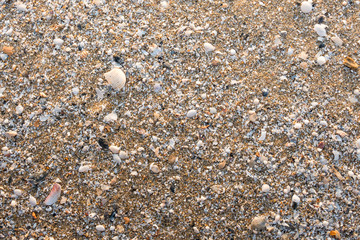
[(116, 78)]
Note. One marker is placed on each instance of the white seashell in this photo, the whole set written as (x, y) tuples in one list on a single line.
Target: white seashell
[(100, 228), (114, 149), (84, 168), (58, 41), (191, 113), (208, 47), (18, 192), (154, 168), (54, 195), (21, 6), (123, 155), (32, 201), (116, 78)]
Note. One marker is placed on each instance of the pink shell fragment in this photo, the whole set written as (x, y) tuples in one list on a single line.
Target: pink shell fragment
[(54, 195)]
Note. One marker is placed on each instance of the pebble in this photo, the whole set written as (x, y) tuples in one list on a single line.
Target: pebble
[(306, 7), (191, 113), (10, 134), (320, 29), (304, 65), (21, 7), (154, 168), (18, 192), (75, 90), (58, 42), (213, 110), (8, 50), (116, 78), (265, 92), (32, 200), (114, 149), (123, 155), (256, 101), (54, 195), (84, 168), (232, 52), (208, 47), (295, 201), (321, 60), (297, 125), (19, 109), (111, 117), (126, 220), (100, 228), (116, 158), (13, 203), (258, 223), (265, 188), (222, 164), (337, 41)]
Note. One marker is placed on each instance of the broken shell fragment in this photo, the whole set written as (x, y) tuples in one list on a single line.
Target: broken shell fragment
[(54, 195), (10, 134), (350, 63), (116, 78)]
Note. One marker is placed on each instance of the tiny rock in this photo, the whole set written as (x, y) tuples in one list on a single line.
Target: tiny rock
[(84, 168), (32, 201), (321, 60), (58, 41), (10, 134), (335, 234), (222, 164), (191, 113), (100, 228), (123, 155), (208, 47), (259, 223), (172, 158), (8, 50), (116, 78), (337, 41), (18, 192), (306, 7), (265, 188), (320, 29), (114, 149), (215, 62), (126, 220)]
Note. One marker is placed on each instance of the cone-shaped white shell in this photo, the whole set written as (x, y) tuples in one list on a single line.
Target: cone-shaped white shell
[(116, 78), (54, 195)]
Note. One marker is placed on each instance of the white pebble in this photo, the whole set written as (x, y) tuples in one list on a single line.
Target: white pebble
[(114, 149), (75, 90), (11, 134), (337, 41), (19, 109), (357, 143), (100, 228), (116, 78), (356, 92), (297, 125), (265, 188), (164, 4), (213, 110), (232, 52), (21, 6), (306, 7), (320, 29), (351, 174), (32, 201), (154, 168), (191, 113), (295, 199), (58, 41), (84, 168), (256, 101), (123, 155), (116, 158), (321, 60), (208, 47), (18, 192), (13, 203)]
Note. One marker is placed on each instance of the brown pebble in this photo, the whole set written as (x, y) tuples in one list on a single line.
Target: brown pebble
[(321, 145), (222, 164), (350, 63), (8, 50), (215, 62), (304, 65), (172, 158), (127, 220)]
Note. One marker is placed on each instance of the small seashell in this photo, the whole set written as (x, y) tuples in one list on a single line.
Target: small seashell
[(259, 223), (8, 50), (191, 113), (54, 195), (154, 168), (18, 192), (350, 63), (32, 201), (116, 78), (208, 47), (114, 149), (84, 54)]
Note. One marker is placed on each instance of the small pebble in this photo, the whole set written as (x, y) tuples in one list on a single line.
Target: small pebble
[(222, 164), (320, 29), (337, 41), (10, 134), (100, 228), (19, 109), (208, 47), (58, 41), (295, 201), (18, 192), (191, 113), (8, 50), (84, 168), (265, 188), (297, 125), (321, 60), (21, 6), (123, 155), (114, 149), (213, 110), (258, 223), (32, 201), (306, 7)]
